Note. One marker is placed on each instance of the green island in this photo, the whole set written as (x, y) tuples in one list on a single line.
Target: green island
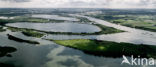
[(106, 30), (108, 48), (33, 34), (21, 40), (27, 32)]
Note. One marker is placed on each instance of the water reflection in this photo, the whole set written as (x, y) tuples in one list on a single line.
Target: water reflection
[(52, 55), (49, 54), (5, 51), (3, 17)]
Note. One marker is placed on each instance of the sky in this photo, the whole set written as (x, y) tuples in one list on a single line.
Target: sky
[(77, 3)]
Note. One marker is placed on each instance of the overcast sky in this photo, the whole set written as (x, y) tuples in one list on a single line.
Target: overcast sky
[(78, 3)]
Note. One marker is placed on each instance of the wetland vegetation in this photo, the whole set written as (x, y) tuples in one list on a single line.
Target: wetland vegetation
[(33, 34), (27, 32), (11, 37), (108, 48)]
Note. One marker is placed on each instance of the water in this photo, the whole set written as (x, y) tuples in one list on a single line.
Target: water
[(131, 35), (2, 17), (52, 55), (119, 37), (55, 17), (58, 27), (49, 54)]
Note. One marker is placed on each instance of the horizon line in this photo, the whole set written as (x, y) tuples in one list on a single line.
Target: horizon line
[(69, 8)]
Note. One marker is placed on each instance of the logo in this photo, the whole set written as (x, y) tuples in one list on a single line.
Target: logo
[(138, 61)]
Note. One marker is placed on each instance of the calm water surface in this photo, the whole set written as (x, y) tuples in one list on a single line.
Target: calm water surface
[(58, 27), (49, 54)]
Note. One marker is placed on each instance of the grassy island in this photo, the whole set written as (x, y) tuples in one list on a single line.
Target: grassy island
[(33, 34), (21, 40), (108, 48), (27, 32)]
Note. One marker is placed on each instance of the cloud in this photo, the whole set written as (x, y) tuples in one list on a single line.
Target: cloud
[(16, 0), (79, 3)]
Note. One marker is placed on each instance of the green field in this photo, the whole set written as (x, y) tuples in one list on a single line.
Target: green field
[(108, 48)]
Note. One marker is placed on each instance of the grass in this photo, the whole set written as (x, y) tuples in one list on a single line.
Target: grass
[(14, 29), (108, 48), (33, 34), (141, 25), (107, 30)]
